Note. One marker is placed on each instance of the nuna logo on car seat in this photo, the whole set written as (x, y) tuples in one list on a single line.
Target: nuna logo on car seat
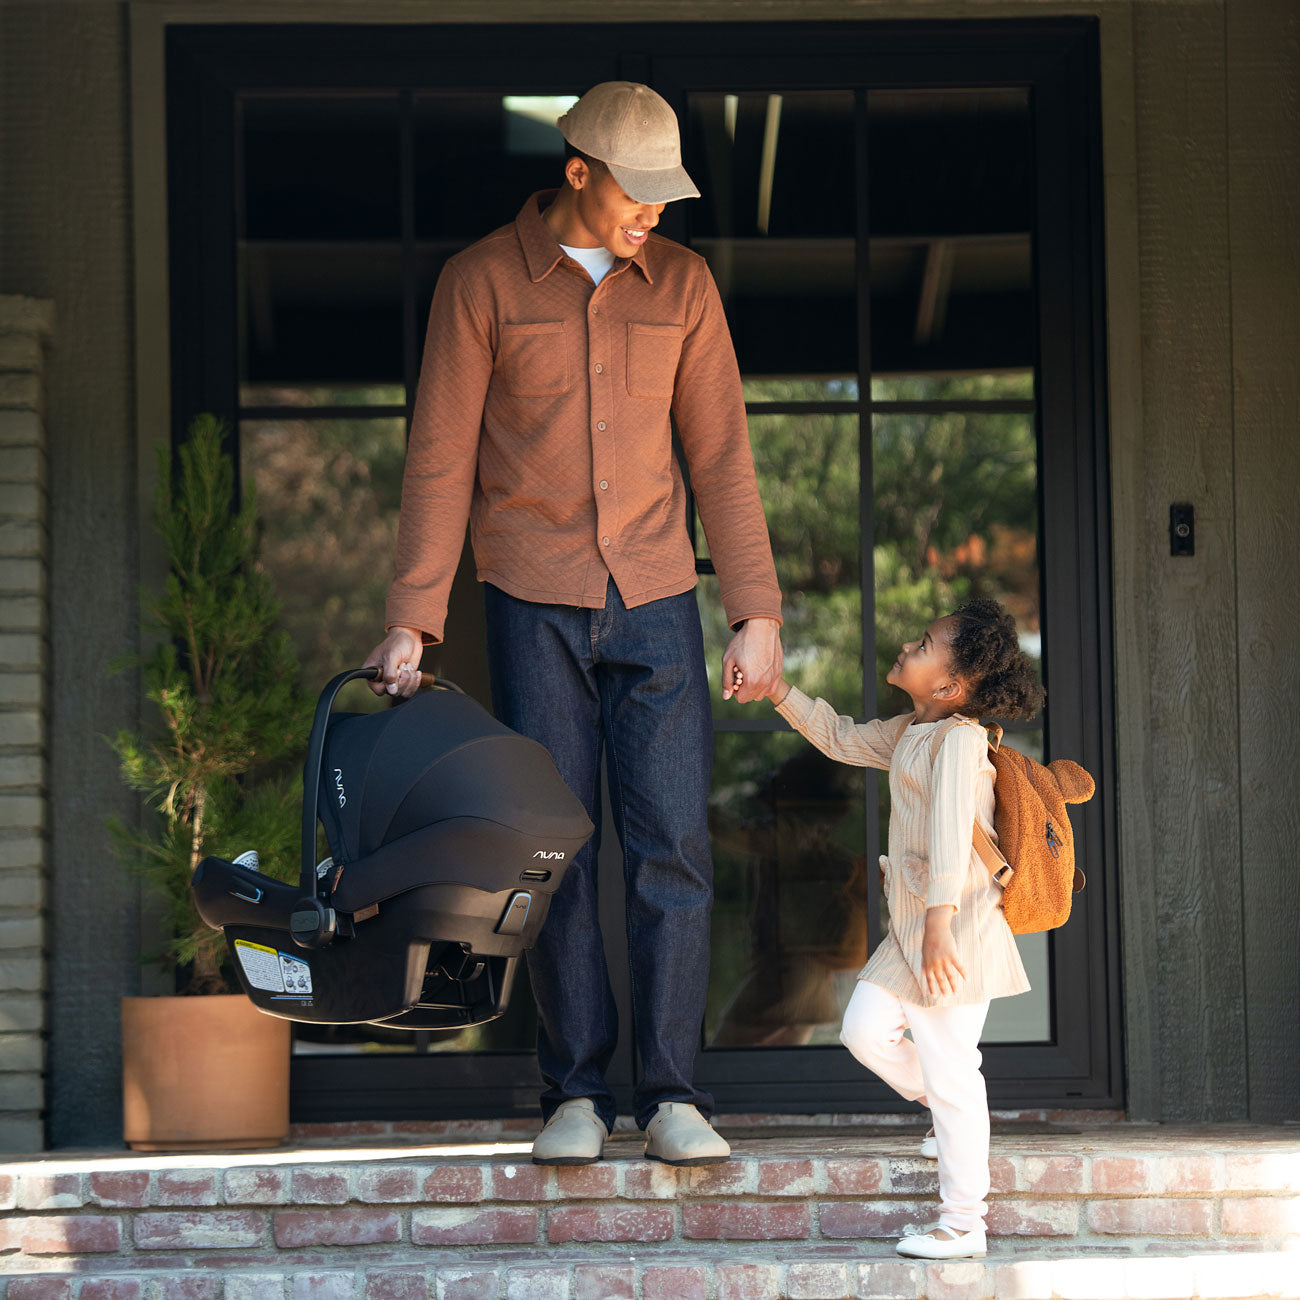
[(543, 853), (338, 785)]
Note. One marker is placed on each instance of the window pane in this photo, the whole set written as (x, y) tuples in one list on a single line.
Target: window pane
[(478, 156), (1026, 740), (1027, 1018), (327, 500), (951, 209), (800, 388), (321, 314), (751, 157), (780, 249), (956, 517), (1005, 385), (349, 1040), (789, 917), (309, 395), (808, 478), (320, 291), (320, 167)]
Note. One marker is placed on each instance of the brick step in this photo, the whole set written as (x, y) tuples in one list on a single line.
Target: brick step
[(1118, 1192), (826, 1272)]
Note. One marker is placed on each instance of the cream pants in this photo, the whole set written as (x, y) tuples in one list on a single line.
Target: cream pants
[(939, 1067)]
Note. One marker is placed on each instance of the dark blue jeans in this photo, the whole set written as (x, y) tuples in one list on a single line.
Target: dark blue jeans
[(630, 683)]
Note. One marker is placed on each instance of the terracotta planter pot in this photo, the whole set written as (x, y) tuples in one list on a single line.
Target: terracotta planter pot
[(203, 1072)]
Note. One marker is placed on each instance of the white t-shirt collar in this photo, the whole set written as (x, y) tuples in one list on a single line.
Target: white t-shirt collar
[(597, 261)]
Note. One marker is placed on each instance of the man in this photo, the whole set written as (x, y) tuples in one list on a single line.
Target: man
[(557, 349)]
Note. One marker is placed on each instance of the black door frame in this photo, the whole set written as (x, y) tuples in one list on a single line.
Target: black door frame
[(210, 66)]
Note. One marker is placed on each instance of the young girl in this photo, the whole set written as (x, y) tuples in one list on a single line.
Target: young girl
[(949, 949)]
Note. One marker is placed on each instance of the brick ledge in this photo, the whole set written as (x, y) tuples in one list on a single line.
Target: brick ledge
[(805, 1274)]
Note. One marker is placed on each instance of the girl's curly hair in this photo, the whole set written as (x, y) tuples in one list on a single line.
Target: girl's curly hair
[(986, 652)]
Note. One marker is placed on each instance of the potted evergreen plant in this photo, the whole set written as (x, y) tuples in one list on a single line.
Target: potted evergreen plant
[(219, 768)]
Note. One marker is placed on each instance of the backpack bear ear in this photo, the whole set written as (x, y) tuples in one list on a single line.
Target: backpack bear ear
[(1076, 784)]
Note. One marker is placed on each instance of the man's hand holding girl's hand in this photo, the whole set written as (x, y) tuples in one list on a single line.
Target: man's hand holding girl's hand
[(752, 661), (399, 655), (940, 969)]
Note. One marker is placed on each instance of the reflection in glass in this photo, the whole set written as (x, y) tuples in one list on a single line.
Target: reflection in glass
[(808, 479), (320, 167), (314, 313), (950, 160), (350, 1040), (800, 388), (1027, 740), (956, 509), (1002, 386), (327, 501), (789, 917), (783, 255), (751, 155), (307, 396), (950, 211), (320, 290), (478, 156), (1027, 1018)]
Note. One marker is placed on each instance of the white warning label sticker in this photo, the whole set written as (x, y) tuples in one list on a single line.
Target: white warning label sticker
[(261, 966), (272, 971)]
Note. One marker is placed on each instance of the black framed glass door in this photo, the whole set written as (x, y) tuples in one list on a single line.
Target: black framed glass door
[(903, 222), (885, 247)]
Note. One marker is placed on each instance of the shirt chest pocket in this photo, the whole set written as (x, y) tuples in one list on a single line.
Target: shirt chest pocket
[(534, 360), (653, 352)]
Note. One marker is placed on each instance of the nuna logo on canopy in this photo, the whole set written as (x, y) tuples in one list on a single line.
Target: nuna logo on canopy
[(549, 856)]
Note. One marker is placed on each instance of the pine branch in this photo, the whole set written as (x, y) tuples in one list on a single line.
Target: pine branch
[(224, 681)]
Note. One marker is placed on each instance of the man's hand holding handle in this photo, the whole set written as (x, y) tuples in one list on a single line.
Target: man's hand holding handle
[(398, 654)]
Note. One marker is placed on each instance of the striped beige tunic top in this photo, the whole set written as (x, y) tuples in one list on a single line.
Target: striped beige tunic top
[(931, 860)]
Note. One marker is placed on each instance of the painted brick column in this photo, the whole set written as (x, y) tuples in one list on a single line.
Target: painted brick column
[(25, 325)]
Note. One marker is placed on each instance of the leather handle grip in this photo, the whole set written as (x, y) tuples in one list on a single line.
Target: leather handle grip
[(427, 680)]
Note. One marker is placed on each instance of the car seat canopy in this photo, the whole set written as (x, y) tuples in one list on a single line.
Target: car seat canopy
[(391, 774)]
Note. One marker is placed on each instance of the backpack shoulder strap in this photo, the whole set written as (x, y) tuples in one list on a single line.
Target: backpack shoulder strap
[(994, 863), (941, 734)]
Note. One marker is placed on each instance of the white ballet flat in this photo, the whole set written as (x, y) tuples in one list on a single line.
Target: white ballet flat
[(921, 1243)]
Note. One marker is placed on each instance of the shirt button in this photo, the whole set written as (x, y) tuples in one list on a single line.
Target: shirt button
[(605, 541), (599, 368), (603, 485), (600, 424)]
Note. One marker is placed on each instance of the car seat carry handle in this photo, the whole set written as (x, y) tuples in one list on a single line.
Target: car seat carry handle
[(308, 881)]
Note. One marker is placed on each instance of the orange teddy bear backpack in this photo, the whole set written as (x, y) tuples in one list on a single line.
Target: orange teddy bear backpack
[(1033, 859)]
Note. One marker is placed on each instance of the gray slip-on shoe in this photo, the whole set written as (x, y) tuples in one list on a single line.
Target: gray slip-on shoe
[(679, 1135), (574, 1135)]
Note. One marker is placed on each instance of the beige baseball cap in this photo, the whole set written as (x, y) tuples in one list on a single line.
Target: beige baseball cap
[(633, 131)]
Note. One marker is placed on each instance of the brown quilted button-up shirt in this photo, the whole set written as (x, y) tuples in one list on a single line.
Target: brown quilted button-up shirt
[(543, 415)]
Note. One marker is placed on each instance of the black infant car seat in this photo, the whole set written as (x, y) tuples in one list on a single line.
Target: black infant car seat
[(448, 835)]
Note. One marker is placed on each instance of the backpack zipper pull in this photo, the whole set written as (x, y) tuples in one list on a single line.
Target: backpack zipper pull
[(1052, 842)]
